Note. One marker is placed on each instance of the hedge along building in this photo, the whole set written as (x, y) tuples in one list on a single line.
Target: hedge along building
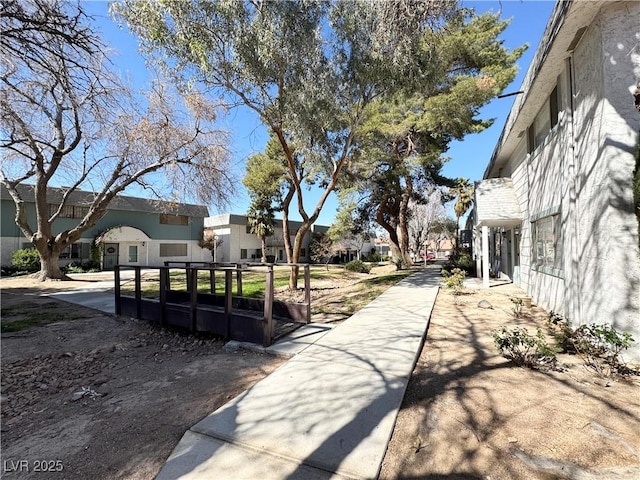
[(555, 211), (133, 230)]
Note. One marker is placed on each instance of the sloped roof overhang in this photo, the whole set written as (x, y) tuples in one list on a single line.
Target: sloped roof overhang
[(564, 30), (496, 203)]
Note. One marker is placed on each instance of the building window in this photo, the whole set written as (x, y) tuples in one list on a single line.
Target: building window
[(76, 251), (303, 252), (545, 121), (133, 254), (68, 211), (243, 254), (173, 249), (167, 219), (547, 243)]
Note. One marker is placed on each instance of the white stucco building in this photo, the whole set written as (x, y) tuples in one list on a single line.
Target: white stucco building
[(238, 244), (555, 211)]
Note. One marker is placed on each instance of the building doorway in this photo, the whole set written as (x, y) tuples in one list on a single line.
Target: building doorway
[(110, 256)]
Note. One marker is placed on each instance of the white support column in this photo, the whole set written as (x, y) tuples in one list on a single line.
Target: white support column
[(485, 256), (477, 250)]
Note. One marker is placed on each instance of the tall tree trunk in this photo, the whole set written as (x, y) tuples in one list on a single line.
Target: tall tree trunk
[(403, 221), (394, 243), (263, 238)]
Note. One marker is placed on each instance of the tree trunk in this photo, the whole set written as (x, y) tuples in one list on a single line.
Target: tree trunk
[(50, 267), (295, 254), (403, 222), (264, 249)]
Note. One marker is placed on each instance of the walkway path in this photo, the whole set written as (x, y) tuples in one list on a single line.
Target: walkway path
[(326, 413)]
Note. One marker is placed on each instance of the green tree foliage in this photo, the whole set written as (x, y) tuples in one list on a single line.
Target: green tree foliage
[(463, 191), (403, 136), (348, 230), (307, 69), (261, 222)]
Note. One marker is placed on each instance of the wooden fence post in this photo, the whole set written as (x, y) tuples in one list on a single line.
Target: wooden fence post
[(307, 291), (164, 276), (116, 289), (138, 288), (239, 280), (192, 282), (268, 309), (228, 301)]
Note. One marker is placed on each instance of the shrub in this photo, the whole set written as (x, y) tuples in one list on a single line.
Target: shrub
[(453, 280), (599, 345), (85, 267), (26, 259), (375, 257), (463, 261), (523, 348), (517, 306), (562, 332), (357, 266)]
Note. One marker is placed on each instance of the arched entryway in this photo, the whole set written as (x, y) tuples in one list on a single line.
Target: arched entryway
[(123, 245)]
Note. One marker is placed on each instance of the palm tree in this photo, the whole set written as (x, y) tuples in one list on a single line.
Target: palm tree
[(464, 191), (261, 222)]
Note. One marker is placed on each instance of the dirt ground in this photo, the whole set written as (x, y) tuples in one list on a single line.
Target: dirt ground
[(102, 397), (469, 413)]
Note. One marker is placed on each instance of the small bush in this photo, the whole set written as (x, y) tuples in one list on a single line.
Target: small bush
[(599, 345), (517, 306), (26, 259), (84, 267), (518, 345), (357, 266), (453, 280), (374, 258), (562, 332), (463, 261)]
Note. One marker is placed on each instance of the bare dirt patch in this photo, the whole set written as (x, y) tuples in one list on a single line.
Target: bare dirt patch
[(104, 397), (469, 413)]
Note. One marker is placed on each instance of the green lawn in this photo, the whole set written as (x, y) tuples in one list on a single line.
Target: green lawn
[(254, 281)]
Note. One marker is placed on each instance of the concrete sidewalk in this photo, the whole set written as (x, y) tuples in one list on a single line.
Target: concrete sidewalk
[(98, 291), (326, 413)]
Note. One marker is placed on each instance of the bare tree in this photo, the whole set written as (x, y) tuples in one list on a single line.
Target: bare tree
[(422, 220), (68, 121)]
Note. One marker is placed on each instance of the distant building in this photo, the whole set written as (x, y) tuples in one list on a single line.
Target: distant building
[(136, 231), (238, 244), (555, 211)]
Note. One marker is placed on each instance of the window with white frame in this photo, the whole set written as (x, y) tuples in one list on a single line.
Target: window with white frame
[(547, 243), (133, 253)]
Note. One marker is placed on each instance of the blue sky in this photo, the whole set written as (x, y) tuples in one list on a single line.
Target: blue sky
[(468, 157)]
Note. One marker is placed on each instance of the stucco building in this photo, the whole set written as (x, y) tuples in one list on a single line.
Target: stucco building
[(555, 211), (238, 244), (135, 231)]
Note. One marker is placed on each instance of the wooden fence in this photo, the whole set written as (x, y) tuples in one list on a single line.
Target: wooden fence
[(231, 316)]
